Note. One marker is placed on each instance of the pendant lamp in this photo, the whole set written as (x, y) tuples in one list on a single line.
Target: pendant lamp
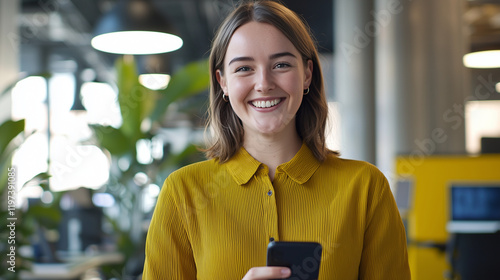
[(153, 71), (134, 27)]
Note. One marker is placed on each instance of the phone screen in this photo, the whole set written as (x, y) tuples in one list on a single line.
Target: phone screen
[(303, 258)]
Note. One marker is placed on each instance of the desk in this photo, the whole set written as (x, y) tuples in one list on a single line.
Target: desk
[(72, 268)]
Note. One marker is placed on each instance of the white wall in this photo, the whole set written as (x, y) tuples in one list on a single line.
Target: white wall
[(9, 51)]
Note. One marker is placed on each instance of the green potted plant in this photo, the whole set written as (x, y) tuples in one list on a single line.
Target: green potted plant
[(142, 111)]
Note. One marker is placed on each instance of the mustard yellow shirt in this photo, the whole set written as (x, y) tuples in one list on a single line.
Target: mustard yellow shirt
[(214, 221)]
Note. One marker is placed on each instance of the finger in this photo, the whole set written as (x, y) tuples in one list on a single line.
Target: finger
[(267, 272)]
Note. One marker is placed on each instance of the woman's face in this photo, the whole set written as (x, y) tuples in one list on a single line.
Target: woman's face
[(265, 78)]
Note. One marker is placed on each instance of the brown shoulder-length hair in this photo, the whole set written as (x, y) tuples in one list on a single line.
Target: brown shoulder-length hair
[(223, 123)]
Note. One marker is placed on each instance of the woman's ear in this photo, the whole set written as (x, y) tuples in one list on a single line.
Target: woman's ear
[(222, 81), (308, 73)]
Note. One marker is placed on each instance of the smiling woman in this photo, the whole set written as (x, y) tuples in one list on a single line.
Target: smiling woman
[(269, 176)]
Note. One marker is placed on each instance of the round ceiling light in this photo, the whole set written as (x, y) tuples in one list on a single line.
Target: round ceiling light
[(482, 59), (137, 42)]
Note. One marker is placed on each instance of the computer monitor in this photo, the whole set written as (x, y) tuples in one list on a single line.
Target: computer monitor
[(474, 207)]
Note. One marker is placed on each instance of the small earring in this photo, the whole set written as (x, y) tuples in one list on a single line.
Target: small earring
[(306, 91), (225, 97)]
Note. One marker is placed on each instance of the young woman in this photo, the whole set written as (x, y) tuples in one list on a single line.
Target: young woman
[(269, 175)]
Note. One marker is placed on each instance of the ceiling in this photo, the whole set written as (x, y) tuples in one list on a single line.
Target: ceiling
[(482, 19), (54, 32)]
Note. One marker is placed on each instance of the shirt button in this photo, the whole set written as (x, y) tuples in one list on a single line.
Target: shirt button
[(269, 193)]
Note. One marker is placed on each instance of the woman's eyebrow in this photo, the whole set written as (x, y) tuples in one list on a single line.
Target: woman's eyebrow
[(282, 54), (241, 58), (273, 56)]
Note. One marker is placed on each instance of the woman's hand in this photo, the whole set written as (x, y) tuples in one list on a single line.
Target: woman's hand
[(267, 272)]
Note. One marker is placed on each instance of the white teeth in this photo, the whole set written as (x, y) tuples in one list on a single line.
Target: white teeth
[(266, 104)]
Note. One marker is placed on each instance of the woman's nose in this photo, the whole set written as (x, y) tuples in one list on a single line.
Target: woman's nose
[(264, 81)]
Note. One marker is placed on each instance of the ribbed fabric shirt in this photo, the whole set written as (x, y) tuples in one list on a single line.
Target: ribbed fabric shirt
[(214, 221)]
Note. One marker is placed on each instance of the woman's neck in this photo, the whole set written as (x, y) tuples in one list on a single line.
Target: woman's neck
[(273, 150)]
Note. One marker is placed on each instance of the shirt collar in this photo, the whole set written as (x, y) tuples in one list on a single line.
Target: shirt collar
[(302, 166), (242, 166)]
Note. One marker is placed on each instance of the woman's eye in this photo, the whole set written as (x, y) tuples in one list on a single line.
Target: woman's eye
[(282, 65), (242, 69)]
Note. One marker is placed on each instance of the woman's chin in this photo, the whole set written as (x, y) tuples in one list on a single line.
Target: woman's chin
[(272, 127), (269, 129)]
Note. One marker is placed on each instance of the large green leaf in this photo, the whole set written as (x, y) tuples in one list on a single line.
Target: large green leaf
[(39, 179), (192, 79), (8, 131), (114, 140), (136, 101)]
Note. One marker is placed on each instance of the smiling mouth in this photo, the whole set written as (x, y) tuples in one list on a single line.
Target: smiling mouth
[(266, 104)]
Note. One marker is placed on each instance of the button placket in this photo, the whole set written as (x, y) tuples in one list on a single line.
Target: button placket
[(270, 208)]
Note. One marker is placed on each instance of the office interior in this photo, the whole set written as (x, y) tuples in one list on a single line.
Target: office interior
[(86, 145)]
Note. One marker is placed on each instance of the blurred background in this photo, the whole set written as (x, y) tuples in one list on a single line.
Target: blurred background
[(90, 129)]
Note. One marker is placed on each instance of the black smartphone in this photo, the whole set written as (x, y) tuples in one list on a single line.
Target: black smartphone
[(303, 258)]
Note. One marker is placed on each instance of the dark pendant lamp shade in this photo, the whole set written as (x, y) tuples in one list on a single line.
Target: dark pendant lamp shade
[(154, 71), (77, 103), (134, 27)]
